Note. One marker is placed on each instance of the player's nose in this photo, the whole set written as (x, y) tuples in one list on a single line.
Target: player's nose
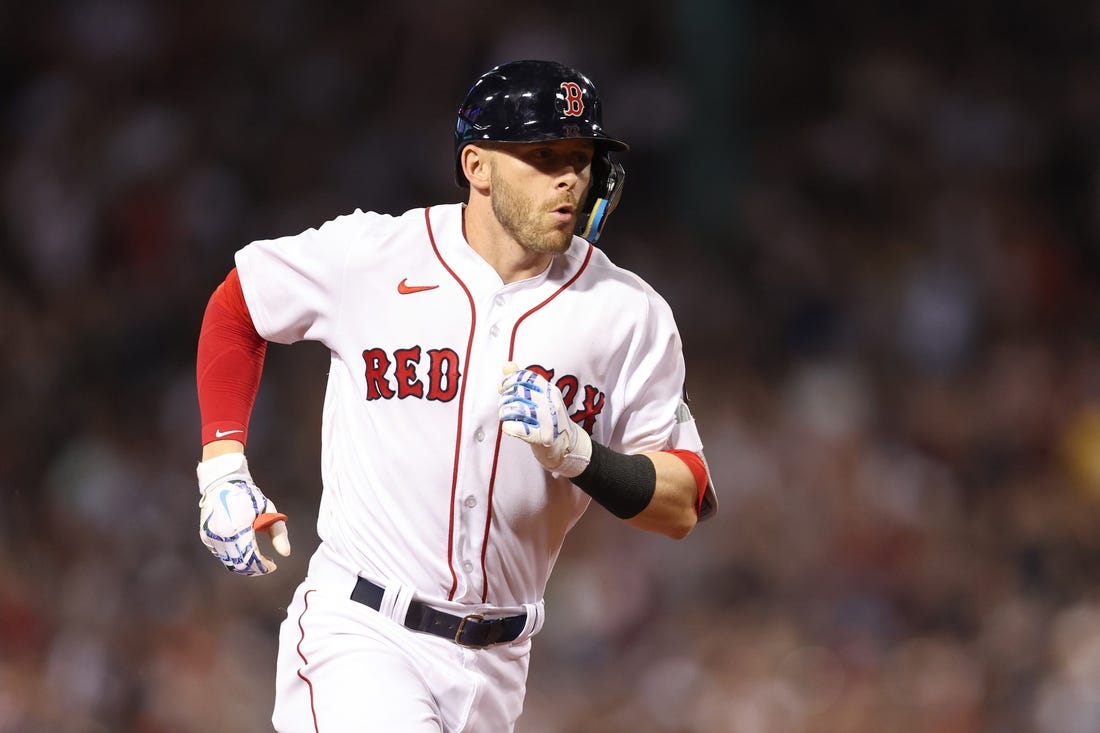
[(567, 178)]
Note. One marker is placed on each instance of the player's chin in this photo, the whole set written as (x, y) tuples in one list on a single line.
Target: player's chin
[(554, 241), (559, 244), (561, 235)]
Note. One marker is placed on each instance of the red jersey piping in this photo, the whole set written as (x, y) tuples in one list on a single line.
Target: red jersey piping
[(461, 404), (496, 454), (301, 675)]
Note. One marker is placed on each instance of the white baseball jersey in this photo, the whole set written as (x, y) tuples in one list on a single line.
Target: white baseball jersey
[(419, 485)]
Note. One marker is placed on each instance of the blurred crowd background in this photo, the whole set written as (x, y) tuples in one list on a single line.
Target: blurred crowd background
[(878, 224)]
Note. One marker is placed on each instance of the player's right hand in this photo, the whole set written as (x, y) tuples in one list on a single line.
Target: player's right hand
[(232, 509)]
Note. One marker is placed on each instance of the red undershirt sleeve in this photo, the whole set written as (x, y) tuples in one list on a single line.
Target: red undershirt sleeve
[(228, 365), (698, 471)]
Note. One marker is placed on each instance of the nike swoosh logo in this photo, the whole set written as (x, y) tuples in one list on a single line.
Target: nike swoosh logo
[(404, 288), (223, 433), (225, 504)]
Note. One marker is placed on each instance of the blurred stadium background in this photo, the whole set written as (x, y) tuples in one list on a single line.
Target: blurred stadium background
[(878, 226)]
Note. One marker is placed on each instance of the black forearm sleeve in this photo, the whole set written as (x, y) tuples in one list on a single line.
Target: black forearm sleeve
[(622, 484)]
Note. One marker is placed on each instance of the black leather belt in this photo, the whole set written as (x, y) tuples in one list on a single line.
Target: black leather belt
[(473, 630)]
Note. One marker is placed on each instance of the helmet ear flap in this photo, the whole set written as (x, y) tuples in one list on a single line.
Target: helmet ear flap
[(604, 191)]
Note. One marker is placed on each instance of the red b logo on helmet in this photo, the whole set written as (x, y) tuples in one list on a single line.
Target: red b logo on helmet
[(574, 105)]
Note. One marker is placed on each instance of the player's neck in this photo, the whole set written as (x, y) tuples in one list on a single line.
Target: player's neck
[(511, 260)]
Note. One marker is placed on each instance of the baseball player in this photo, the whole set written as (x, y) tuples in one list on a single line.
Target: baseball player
[(492, 373)]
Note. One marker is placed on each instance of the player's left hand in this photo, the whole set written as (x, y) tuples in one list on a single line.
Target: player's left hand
[(532, 410), (232, 511)]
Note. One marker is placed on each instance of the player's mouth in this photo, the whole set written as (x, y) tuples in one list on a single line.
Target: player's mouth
[(564, 214)]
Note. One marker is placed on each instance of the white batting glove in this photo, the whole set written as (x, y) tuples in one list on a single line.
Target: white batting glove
[(232, 510), (532, 410)]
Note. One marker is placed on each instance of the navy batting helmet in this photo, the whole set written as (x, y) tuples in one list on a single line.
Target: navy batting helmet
[(531, 101)]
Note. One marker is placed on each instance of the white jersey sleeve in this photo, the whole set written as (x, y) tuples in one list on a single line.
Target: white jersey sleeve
[(653, 384), (295, 286)]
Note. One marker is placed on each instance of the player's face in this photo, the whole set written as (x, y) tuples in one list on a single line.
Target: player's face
[(537, 190)]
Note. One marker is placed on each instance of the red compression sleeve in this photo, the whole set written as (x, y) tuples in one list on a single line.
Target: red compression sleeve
[(229, 363), (698, 470)]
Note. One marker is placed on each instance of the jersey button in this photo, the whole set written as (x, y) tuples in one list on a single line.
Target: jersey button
[(468, 566), (494, 331), (479, 435), (499, 300), (470, 502)]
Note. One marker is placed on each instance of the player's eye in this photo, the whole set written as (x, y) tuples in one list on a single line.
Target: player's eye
[(551, 158), (581, 158)]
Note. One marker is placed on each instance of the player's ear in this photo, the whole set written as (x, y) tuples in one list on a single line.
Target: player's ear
[(476, 165)]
